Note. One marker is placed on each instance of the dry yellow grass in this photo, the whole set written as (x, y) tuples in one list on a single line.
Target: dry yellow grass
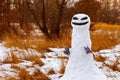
[(10, 78), (104, 36), (51, 71), (114, 66), (38, 43), (12, 39), (23, 74), (105, 26), (62, 69), (13, 66), (99, 58), (34, 58), (11, 58), (38, 75)]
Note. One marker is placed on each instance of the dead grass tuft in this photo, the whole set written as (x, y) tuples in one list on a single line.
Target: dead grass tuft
[(15, 67), (10, 78), (100, 58), (114, 66), (51, 71), (34, 58), (62, 69), (24, 74), (38, 75), (11, 58), (12, 39)]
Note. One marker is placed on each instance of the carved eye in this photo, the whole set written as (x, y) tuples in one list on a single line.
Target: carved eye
[(84, 18), (75, 18)]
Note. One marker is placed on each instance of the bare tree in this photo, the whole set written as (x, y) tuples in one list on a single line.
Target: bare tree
[(43, 27), (55, 31), (90, 7), (109, 13), (39, 12), (51, 16)]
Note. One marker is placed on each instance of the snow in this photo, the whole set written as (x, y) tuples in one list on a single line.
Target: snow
[(3, 52), (51, 63), (53, 60)]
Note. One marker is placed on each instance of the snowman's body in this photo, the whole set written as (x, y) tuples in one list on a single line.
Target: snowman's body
[(81, 65)]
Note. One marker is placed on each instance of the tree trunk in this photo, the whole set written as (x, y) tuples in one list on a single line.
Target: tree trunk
[(43, 28), (56, 28)]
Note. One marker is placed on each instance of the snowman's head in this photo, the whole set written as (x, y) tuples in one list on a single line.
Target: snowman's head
[(80, 21)]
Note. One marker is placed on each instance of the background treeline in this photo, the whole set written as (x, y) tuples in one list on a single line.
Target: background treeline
[(51, 16)]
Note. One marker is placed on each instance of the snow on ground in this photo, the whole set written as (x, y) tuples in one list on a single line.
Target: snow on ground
[(108, 62), (2, 51)]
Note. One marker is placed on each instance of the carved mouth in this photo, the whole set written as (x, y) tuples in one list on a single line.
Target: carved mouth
[(80, 23)]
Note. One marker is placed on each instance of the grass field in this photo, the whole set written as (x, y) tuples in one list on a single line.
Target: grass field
[(31, 54), (103, 36)]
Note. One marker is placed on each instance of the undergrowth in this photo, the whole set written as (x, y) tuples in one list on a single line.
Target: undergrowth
[(104, 36)]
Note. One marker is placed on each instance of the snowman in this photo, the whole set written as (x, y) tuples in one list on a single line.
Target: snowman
[(81, 64)]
